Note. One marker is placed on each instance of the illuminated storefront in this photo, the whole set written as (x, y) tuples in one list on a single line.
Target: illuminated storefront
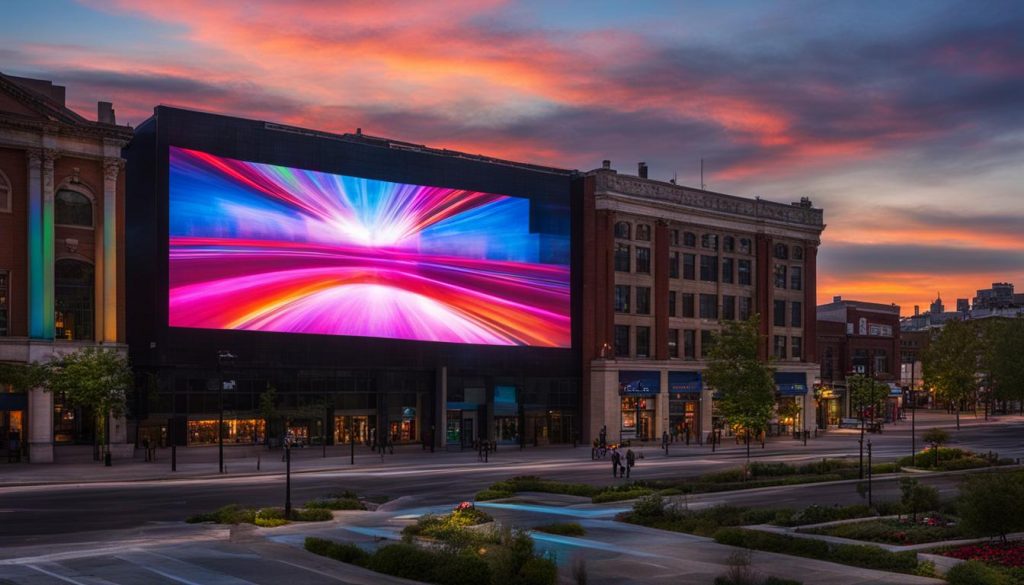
[(248, 431), (638, 393), (684, 406)]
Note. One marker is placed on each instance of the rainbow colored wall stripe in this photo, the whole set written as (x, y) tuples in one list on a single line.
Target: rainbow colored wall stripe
[(261, 247)]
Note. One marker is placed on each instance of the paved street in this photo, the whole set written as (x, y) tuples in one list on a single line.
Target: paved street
[(61, 531)]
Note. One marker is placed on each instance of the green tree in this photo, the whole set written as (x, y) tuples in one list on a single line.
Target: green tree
[(951, 363), (867, 394), (94, 378), (1003, 342), (268, 409), (917, 498), (992, 504), (23, 377), (745, 383), (936, 437)]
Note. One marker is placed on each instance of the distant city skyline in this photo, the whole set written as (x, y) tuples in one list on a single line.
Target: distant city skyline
[(901, 120)]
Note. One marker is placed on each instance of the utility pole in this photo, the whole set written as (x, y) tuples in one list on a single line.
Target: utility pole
[(869, 473)]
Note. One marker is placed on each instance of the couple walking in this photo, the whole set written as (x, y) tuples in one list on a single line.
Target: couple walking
[(618, 469)]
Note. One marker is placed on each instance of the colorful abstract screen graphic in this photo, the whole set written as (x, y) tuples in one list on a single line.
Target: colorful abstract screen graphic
[(261, 247)]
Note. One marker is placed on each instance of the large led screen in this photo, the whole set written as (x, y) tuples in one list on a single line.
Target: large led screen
[(260, 247)]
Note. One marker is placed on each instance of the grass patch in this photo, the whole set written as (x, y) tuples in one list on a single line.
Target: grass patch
[(264, 517), (951, 459), (562, 528), (654, 512), (463, 555), (865, 556), (895, 531)]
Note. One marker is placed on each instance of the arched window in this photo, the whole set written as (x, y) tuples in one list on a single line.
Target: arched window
[(781, 251), (72, 208), (689, 239), (744, 246), (709, 241), (6, 194), (728, 244), (622, 230), (643, 232), (74, 292), (798, 253)]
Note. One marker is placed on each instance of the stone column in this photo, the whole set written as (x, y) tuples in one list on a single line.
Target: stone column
[(35, 246), (111, 170), (40, 426), (811, 302), (49, 156), (661, 288)]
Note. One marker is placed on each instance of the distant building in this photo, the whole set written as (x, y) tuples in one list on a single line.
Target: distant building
[(963, 305), (937, 306), (1000, 296), (855, 337)]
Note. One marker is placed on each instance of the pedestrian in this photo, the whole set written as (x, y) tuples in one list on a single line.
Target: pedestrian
[(630, 460), (593, 449), (604, 437), (616, 460), (664, 439), (686, 432)]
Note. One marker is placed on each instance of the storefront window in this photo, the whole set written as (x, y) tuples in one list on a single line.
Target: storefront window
[(250, 431)]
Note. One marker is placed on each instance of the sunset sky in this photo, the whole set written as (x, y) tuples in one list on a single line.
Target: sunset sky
[(903, 120)]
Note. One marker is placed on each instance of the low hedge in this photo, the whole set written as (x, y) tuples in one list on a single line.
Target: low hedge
[(264, 517), (978, 573), (339, 551), (865, 556), (336, 504), (562, 528)]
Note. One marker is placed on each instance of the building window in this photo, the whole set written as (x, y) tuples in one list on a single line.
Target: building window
[(673, 265), (688, 266), (709, 241), (744, 246), (743, 311), (796, 350), (779, 314), (622, 341), (728, 244), (780, 276), (643, 300), (709, 268), (796, 314), (72, 208), (6, 194), (781, 251), (673, 343), (881, 362), (74, 291), (621, 298), (707, 343), (796, 277), (728, 308), (643, 232), (643, 260), (689, 239), (621, 257), (643, 341), (727, 270), (622, 230), (708, 306), (688, 306), (674, 237), (744, 272), (860, 361), (671, 303), (689, 342), (5, 302), (827, 367), (798, 253), (779, 347)]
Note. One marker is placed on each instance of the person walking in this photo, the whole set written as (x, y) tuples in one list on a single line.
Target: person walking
[(664, 439), (630, 460), (616, 460)]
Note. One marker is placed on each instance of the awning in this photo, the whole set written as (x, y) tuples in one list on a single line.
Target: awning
[(17, 401), (505, 401), (895, 390), (791, 383), (639, 383), (685, 382)]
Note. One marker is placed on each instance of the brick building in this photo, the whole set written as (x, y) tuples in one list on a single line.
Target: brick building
[(61, 234), (664, 265), (856, 337)]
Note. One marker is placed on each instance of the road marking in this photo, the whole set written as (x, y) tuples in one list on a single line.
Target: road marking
[(56, 575), (328, 575)]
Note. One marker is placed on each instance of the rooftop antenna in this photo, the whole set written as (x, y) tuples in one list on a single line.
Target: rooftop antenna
[(702, 185)]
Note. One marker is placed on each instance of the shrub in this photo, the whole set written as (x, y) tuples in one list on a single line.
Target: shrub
[(562, 528), (538, 571), (344, 552), (918, 498), (230, 514), (815, 514), (652, 506), (619, 495), (492, 494), (312, 515), (460, 569), (404, 560), (976, 573), (871, 557), (992, 504), (336, 504)]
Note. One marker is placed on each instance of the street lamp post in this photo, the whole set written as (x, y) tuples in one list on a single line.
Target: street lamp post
[(869, 473), (222, 356), (913, 415), (288, 475)]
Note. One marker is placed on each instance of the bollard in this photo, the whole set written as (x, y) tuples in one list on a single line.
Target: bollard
[(257, 462)]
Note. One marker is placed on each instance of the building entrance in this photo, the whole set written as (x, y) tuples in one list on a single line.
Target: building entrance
[(12, 433)]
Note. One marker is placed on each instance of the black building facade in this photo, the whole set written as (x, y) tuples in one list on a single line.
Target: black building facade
[(328, 387)]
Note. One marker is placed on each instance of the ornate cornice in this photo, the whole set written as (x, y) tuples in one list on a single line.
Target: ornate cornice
[(112, 168), (707, 200)]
